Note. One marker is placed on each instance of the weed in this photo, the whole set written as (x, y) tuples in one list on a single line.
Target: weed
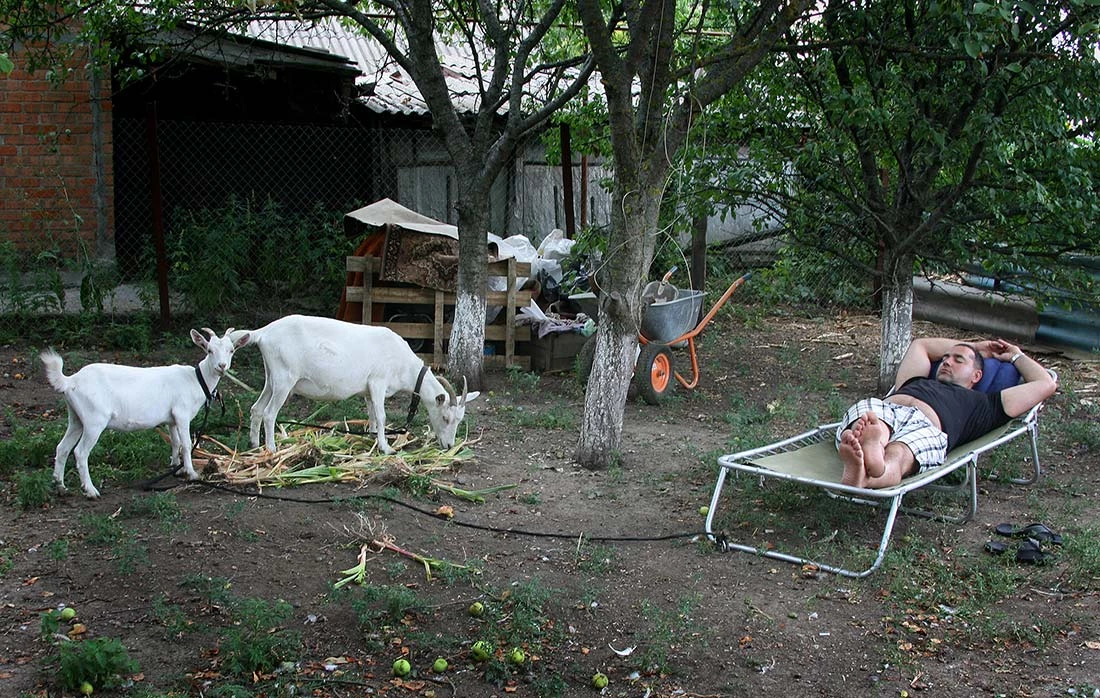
[(529, 625), (28, 448), (375, 605), (235, 508), (229, 690), (596, 559), (161, 506), (7, 561), (173, 617), (214, 589), (668, 627), (99, 661), (1083, 551), (452, 575), (34, 490), (255, 642), (530, 498), (524, 382), (58, 549), (552, 418)]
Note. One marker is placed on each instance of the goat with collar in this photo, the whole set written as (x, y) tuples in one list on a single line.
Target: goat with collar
[(326, 359), (129, 398)]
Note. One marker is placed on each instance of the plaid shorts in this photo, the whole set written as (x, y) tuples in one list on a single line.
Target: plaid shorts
[(908, 426)]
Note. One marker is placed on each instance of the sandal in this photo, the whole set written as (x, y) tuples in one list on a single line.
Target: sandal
[(995, 547), (1030, 552), (1036, 531)]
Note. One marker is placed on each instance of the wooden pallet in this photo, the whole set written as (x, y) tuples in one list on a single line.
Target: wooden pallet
[(435, 304)]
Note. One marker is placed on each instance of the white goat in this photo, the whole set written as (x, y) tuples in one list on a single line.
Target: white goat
[(129, 398), (326, 359)]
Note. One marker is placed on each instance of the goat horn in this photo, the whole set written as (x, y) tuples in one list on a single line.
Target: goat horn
[(229, 331), (464, 391), (210, 332), (450, 391)]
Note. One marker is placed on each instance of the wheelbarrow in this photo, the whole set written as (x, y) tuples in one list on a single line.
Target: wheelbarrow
[(670, 322)]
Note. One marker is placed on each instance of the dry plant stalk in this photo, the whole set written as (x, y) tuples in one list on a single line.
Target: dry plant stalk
[(315, 454)]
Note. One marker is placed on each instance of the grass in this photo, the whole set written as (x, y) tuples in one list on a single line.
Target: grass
[(102, 530), (257, 640), (557, 417), (669, 629)]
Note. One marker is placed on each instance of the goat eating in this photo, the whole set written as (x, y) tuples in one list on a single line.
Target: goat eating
[(129, 398), (325, 359)]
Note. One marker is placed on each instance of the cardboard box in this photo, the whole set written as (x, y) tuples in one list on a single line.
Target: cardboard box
[(556, 351)]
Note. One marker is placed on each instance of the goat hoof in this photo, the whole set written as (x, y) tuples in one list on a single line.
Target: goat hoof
[(91, 493)]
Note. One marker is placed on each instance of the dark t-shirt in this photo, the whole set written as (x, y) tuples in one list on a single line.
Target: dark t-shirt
[(965, 414)]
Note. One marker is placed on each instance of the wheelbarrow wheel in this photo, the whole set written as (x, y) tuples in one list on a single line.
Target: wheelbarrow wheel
[(653, 372)]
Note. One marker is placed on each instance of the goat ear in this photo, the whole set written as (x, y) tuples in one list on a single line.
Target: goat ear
[(242, 340), (198, 339)]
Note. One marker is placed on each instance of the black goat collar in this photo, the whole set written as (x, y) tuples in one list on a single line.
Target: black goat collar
[(211, 395), (415, 403)]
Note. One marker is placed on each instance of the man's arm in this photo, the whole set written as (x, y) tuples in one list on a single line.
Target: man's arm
[(919, 357), (1038, 384)]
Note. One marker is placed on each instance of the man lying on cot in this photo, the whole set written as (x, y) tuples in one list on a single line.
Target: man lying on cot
[(883, 441)]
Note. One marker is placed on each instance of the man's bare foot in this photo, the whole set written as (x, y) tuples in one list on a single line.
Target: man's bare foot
[(851, 454), (873, 436)]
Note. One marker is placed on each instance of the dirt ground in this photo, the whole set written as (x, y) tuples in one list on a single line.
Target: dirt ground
[(711, 623)]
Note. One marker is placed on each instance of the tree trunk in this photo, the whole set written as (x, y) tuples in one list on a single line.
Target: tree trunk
[(897, 317), (466, 351), (621, 278)]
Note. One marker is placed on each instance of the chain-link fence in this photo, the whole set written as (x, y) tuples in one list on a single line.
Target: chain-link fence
[(250, 214)]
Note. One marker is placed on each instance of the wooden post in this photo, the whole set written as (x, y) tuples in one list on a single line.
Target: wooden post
[(699, 253), (437, 342), (510, 315), (368, 287), (157, 205), (567, 182)]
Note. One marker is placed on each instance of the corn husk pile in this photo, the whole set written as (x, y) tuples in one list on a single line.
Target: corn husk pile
[(332, 452)]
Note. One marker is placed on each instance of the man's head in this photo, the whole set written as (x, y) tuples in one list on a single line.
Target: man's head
[(962, 365)]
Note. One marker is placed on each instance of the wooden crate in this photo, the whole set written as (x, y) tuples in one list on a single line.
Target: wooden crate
[(435, 303), (556, 351)]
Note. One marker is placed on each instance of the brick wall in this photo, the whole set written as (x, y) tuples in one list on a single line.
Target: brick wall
[(56, 168)]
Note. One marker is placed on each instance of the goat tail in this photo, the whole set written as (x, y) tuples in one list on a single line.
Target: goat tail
[(53, 364)]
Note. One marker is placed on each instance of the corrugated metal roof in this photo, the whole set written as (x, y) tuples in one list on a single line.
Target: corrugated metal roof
[(394, 91)]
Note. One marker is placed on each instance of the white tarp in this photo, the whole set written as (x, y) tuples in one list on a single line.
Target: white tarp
[(389, 212)]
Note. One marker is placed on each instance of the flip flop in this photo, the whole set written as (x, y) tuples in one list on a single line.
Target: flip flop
[(1038, 531), (995, 547), (1031, 553)]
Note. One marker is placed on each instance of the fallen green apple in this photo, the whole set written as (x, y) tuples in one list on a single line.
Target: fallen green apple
[(68, 613), (704, 510), (86, 688), (481, 650), (439, 666), (476, 609), (401, 667), (516, 656), (599, 680)]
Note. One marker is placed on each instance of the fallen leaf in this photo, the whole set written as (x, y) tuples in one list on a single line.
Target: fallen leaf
[(1092, 644)]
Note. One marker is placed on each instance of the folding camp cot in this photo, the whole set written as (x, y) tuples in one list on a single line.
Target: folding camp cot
[(811, 459)]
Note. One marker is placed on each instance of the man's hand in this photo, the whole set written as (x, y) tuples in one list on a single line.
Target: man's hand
[(996, 349)]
